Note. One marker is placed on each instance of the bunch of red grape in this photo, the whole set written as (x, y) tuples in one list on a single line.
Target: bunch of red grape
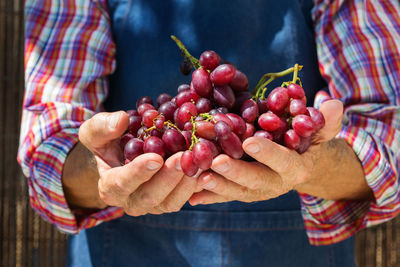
[(216, 113)]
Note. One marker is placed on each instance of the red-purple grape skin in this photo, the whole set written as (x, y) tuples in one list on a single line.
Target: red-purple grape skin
[(132, 112), (188, 138), (186, 96), (223, 74), (201, 83), (297, 107), (202, 155), (203, 105), (278, 100), (135, 122), (262, 105), (187, 163), (188, 126), (205, 129), (156, 133), (133, 148), (141, 133), (222, 130), (305, 143), (144, 107), (168, 109), (162, 98), (317, 118), (249, 131), (186, 111), (215, 148), (249, 110), (225, 118), (239, 125), (144, 99), (224, 96), (264, 134), (174, 140), (240, 97), (239, 81), (295, 91), (178, 123), (159, 122), (124, 139), (223, 110), (149, 116), (209, 60), (269, 121), (183, 87), (292, 139), (232, 146), (303, 125), (154, 144)]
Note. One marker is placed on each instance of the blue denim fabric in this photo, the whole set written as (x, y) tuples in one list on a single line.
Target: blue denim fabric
[(258, 37)]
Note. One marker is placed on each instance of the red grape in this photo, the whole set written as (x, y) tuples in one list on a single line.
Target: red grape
[(154, 144), (305, 143), (295, 91), (203, 105), (156, 133), (201, 83), (264, 134), (232, 146), (225, 118), (144, 99), (224, 96), (317, 118), (269, 121), (239, 125), (188, 126), (162, 98), (249, 131), (187, 163), (159, 122), (278, 100), (292, 139), (188, 138), (133, 148), (132, 112), (125, 138), (249, 110), (149, 116), (135, 122), (239, 82), (174, 140), (186, 96), (222, 130), (183, 87), (215, 148), (168, 109), (223, 110), (303, 125), (240, 97), (143, 107), (297, 107), (262, 105), (223, 74), (202, 155), (205, 129), (186, 111), (185, 67), (209, 60)]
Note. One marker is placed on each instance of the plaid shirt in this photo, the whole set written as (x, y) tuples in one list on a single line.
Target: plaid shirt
[(69, 52)]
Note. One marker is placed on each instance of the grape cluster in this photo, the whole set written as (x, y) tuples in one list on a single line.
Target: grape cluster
[(216, 113)]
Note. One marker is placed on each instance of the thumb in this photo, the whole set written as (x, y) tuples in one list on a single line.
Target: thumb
[(332, 110), (102, 128)]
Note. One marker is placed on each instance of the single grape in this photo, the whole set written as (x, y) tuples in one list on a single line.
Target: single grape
[(239, 125), (124, 139), (209, 60), (297, 107), (214, 111), (186, 111), (295, 91), (154, 144), (292, 139), (224, 96), (222, 130), (174, 140), (205, 129), (188, 126), (143, 100), (305, 143), (133, 148), (186, 96), (249, 110), (264, 134), (178, 123), (223, 117), (278, 100), (168, 109), (156, 133), (162, 98), (215, 148), (143, 107), (280, 132), (239, 82), (262, 105), (223, 74), (202, 155), (269, 121), (303, 125), (317, 118), (135, 122), (240, 97), (141, 133), (132, 112), (223, 110), (203, 105), (159, 122), (185, 67), (187, 163), (188, 138), (149, 116), (232, 146), (249, 131), (183, 87), (201, 83)]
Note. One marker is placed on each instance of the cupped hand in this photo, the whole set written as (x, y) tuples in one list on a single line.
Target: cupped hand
[(276, 171), (145, 185)]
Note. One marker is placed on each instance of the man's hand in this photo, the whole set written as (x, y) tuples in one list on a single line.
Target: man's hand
[(329, 169), (145, 185)]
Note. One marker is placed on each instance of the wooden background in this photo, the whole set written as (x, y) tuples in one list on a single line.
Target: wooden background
[(25, 239)]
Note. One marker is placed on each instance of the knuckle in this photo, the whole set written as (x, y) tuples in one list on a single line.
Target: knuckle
[(169, 207), (134, 212), (147, 200)]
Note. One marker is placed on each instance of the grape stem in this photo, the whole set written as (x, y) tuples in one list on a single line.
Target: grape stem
[(260, 89), (207, 117), (195, 62)]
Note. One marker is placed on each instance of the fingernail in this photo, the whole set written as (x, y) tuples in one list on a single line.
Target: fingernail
[(178, 165), (113, 120), (153, 165), (253, 148), (210, 185), (223, 167)]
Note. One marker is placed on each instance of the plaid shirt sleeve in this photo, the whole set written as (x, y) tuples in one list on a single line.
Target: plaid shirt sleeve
[(68, 54), (358, 43)]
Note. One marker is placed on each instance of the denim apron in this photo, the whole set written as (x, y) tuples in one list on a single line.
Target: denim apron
[(258, 36)]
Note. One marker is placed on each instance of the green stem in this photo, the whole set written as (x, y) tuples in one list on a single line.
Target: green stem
[(195, 62)]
